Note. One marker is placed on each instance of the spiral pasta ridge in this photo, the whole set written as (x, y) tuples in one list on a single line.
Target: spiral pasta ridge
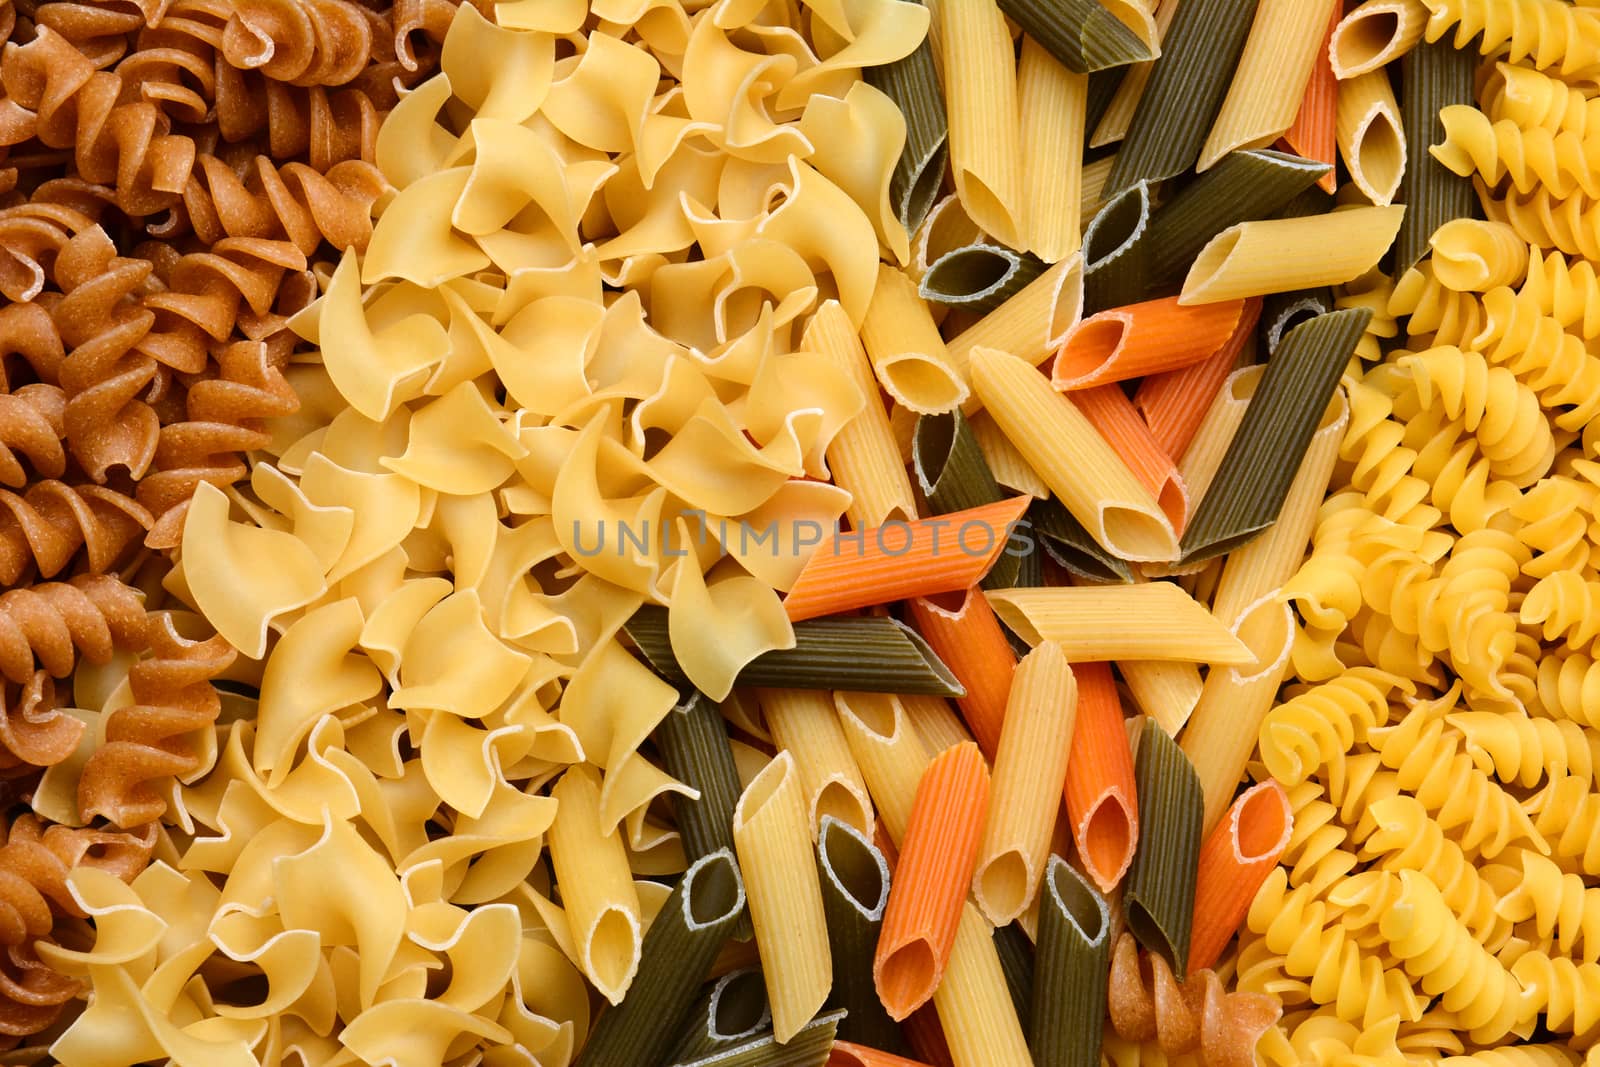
[(1553, 363), (1567, 813), (1565, 606), (1532, 99), (52, 624), (1524, 750), (1429, 763), (1502, 413), (1566, 224), (151, 740), (1319, 725), (1569, 687), (1562, 162), (1437, 949), (1432, 309), (1567, 291), (1559, 905), (294, 202), (1314, 856), (1552, 522), (49, 524), (1547, 33), (1565, 991), (1408, 838)]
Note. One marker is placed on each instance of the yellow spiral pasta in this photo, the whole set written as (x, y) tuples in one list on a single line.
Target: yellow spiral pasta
[(1471, 255), (1433, 946), (1567, 291), (1461, 483), (1374, 291), (1532, 99), (1318, 725), (1567, 224), (1354, 786), (1465, 801), (1567, 814), (1537, 349), (1516, 1056), (1559, 905), (1569, 687), (1562, 162), (1500, 411), (1567, 993), (1566, 606), (1316, 946), (1313, 856), (1548, 33), (1551, 518), (1524, 750), (1409, 838), (1432, 309)]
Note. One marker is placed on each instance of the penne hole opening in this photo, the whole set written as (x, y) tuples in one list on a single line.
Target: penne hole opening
[(952, 605), (1262, 823), (1382, 156), (613, 952), (1087, 350), (924, 189), (714, 891), (1066, 302), (906, 978), (922, 384), (1365, 39), (877, 713), (1173, 500), (1212, 258), (1137, 535), (1082, 906), (985, 207), (855, 867), (1119, 225), (1108, 840), (738, 1005), (1267, 629), (841, 800), (773, 777), (931, 444), (1004, 885)]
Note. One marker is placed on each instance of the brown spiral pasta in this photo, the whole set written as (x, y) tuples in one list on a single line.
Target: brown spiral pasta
[(116, 137), (151, 741), (224, 419), (1147, 1003), (28, 338), (32, 425), (304, 42), (293, 202), (51, 624), (34, 730), (50, 523), (34, 864), (31, 237)]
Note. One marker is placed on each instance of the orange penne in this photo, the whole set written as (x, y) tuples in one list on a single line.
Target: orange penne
[(1110, 411), (1312, 136), (931, 879), (903, 559), (1102, 801), (849, 1054), (1234, 861), (1174, 404), (963, 632), (1140, 339)]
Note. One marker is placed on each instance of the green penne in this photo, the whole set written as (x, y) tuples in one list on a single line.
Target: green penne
[(1066, 541), (1116, 251), (1282, 312), (677, 951), (953, 475), (1103, 86), (855, 890), (1070, 978), (1159, 899), (1011, 944), (1433, 76), (1254, 477), (1243, 186), (1198, 56), (732, 1011), (808, 1048), (979, 277), (1081, 34), (913, 84), (867, 654), (693, 741)]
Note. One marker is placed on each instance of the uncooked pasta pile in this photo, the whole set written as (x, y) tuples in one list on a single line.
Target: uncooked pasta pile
[(799, 533)]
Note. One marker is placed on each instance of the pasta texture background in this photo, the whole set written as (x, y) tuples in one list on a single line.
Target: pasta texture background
[(454, 486)]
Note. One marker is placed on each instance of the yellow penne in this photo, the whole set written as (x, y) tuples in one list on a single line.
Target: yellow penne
[(1033, 324), (889, 752), (1052, 101), (863, 457), (974, 1004), (1222, 731), (1092, 195), (803, 724), (1005, 462), (1271, 77), (1025, 790), (1166, 690), (980, 86), (1138, 16), (1210, 443), (1156, 620), (1072, 458), (908, 355), (1282, 255), (784, 894), (936, 722), (1375, 34), (1370, 139), (1251, 572), (597, 890)]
